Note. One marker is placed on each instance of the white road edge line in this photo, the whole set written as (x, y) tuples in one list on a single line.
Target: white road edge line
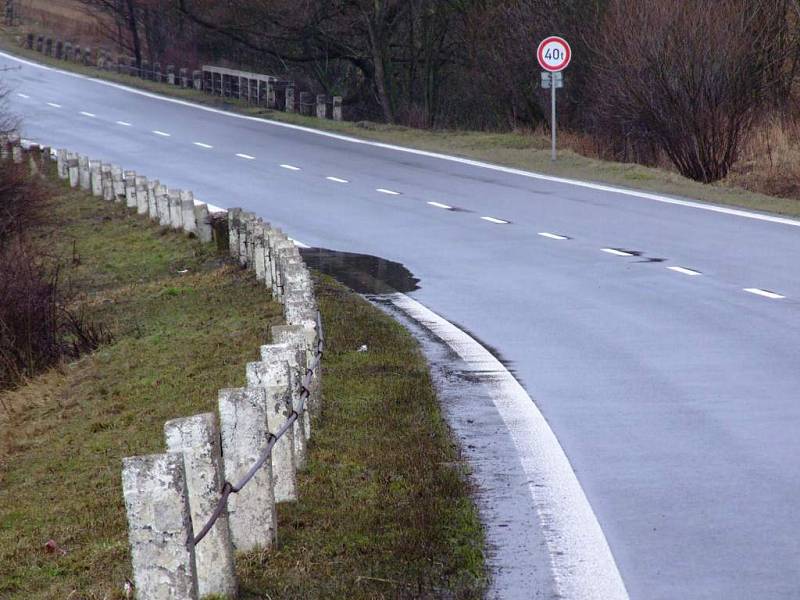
[(764, 293), (202, 145), (582, 563), (54, 105), (246, 156), (553, 236), (495, 220), (23, 95), (124, 124), (290, 167), (616, 252), (440, 205), (87, 114), (389, 192), (457, 159), (684, 270), (162, 133), (337, 179)]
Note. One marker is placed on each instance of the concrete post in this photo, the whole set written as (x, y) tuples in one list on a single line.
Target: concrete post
[(293, 355), (141, 195), (290, 107), (197, 80), (130, 189), (234, 223), (279, 407), (29, 41), (171, 74), (243, 425), (246, 233), (118, 182), (159, 527), (68, 51), (162, 205), (322, 107), (184, 75), (175, 209), (39, 43), (259, 252), (95, 176), (271, 103), (61, 162), (74, 172), (187, 212), (85, 173), (305, 103), (145, 72), (59, 49), (337, 108), (197, 438), (304, 337), (157, 72), (152, 210), (107, 182), (202, 219)]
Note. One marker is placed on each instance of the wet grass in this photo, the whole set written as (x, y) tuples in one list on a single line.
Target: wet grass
[(384, 511), (521, 150)]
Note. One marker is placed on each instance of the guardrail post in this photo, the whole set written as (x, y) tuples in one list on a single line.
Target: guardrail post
[(95, 175), (197, 80), (152, 210), (290, 107), (184, 76), (162, 205), (85, 176), (107, 182), (73, 169), (175, 209), (304, 337), (187, 212), (202, 219), (59, 49), (130, 189), (197, 438), (141, 195), (159, 527), (243, 424), (273, 376), (119, 183), (322, 106), (337, 108)]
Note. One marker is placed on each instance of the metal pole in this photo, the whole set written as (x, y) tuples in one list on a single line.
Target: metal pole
[(553, 114)]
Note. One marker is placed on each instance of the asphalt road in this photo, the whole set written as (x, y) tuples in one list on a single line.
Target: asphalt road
[(675, 395)]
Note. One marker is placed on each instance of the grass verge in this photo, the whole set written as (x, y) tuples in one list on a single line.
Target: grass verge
[(385, 508), (514, 149)]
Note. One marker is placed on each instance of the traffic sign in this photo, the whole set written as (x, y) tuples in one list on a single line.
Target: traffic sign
[(554, 79), (554, 54)]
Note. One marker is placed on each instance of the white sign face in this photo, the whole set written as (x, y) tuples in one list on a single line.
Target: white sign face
[(554, 54)]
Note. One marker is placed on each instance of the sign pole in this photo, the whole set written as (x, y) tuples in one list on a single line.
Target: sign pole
[(553, 119)]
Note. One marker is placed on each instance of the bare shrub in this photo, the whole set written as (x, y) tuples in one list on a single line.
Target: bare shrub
[(684, 79), (21, 201)]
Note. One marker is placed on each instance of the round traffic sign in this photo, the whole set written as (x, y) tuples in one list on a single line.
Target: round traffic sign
[(554, 54)]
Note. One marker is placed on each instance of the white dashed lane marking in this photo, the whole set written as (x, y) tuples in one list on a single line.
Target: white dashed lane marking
[(553, 236), (684, 270), (337, 180), (290, 167), (124, 124), (23, 96), (54, 105), (440, 205), (388, 192), (162, 133), (764, 293), (495, 220), (246, 156), (616, 252), (202, 145), (87, 114)]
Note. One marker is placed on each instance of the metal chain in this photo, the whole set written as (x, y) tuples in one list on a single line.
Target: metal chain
[(228, 488)]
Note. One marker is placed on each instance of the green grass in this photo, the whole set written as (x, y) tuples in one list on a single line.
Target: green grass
[(520, 150), (384, 510)]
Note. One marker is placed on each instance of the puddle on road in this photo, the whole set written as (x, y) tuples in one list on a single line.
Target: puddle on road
[(363, 273)]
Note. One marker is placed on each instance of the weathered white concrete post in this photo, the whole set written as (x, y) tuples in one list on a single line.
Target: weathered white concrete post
[(290, 104), (304, 337), (322, 107), (118, 183), (95, 174), (259, 252), (162, 205), (159, 527), (85, 174), (152, 208), (187, 212), (197, 438), (61, 162), (202, 219), (107, 182), (141, 195), (175, 209), (263, 375), (243, 424), (234, 223), (273, 357), (73, 169), (130, 189), (337, 108)]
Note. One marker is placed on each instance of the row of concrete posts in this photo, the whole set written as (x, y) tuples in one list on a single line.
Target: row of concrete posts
[(169, 497), (254, 88)]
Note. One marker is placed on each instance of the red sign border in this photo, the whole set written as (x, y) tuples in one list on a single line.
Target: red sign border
[(565, 62)]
